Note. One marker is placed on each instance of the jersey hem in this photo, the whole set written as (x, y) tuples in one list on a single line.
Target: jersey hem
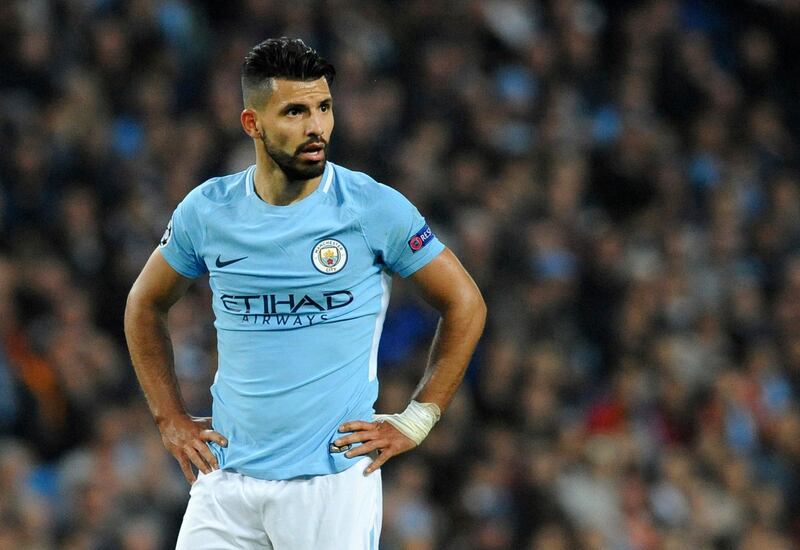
[(283, 474)]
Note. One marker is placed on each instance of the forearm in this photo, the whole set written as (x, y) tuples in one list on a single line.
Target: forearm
[(453, 344), (151, 353)]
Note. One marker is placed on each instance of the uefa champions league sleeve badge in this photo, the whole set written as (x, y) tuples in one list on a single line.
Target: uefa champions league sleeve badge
[(167, 234), (329, 256)]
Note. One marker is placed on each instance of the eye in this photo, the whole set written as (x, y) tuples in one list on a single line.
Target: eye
[(293, 111), (325, 108)]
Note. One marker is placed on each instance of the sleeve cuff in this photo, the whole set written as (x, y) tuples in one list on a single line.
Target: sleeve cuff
[(419, 261), (176, 264)]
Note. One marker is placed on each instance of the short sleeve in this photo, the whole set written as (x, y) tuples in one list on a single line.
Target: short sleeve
[(399, 234), (177, 246)]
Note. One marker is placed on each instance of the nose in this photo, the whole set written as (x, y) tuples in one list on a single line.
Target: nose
[(314, 126)]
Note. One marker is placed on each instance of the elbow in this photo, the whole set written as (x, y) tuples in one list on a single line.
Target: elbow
[(470, 307), (132, 308), (135, 298), (479, 309), (136, 308)]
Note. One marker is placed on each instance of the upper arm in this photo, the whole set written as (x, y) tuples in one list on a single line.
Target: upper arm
[(180, 244), (444, 283), (396, 232), (158, 284)]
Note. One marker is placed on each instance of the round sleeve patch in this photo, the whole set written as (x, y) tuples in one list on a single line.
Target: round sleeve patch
[(167, 234)]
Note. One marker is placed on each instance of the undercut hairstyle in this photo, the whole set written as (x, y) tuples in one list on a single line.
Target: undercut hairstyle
[(287, 58)]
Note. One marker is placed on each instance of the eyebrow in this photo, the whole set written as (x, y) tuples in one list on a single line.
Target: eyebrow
[(290, 106), (304, 106)]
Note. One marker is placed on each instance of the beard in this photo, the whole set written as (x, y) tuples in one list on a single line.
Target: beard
[(293, 167)]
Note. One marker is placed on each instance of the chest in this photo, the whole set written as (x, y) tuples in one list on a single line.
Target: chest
[(272, 254)]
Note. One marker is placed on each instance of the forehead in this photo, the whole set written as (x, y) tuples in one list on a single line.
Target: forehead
[(298, 91)]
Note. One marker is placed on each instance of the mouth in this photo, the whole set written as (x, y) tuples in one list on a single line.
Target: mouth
[(314, 152)]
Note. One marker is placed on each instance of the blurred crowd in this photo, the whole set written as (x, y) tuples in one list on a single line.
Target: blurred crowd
[(621, 179)]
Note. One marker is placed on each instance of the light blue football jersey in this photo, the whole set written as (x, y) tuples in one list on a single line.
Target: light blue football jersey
[(299, 295)]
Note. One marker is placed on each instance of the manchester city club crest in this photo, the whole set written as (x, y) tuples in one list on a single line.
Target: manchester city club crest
[(329, 256)]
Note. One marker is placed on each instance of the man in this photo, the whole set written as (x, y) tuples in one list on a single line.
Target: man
[(299, 253)]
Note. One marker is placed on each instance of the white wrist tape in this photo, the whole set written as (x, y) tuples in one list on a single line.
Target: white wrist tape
[(415, 422)]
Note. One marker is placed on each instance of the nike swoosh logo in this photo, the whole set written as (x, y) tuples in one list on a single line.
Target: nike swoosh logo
[(220, 263)]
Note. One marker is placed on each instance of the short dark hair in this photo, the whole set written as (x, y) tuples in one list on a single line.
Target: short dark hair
[(283, 57)]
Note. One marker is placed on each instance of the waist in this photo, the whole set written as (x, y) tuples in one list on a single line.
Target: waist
[(286, 436), (280, 398)]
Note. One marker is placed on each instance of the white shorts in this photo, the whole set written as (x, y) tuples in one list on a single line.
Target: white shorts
[(230, 510)]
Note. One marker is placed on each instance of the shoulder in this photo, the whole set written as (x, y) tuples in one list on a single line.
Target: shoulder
[(217, 191), (359, 191)]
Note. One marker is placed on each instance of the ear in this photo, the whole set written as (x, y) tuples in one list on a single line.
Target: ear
[(249, 120)]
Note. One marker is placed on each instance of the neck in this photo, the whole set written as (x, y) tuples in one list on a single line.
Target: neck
[(273, 187)]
